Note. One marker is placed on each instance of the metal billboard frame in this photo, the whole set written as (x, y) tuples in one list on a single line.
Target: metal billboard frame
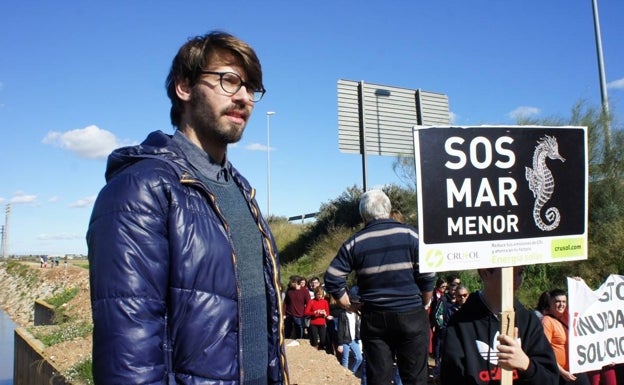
[(379, 119)]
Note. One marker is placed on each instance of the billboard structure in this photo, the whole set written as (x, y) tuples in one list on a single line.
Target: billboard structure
[(377, 119)]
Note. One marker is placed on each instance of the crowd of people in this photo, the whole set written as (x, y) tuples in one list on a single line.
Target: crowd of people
[(381, 328), (448, 297), (325, 324), (53, 260), (541, 346)]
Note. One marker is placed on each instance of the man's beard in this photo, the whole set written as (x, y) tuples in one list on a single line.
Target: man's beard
[(206, 123)]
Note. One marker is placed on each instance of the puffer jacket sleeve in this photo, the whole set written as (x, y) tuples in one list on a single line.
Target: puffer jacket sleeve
[(129, 264)]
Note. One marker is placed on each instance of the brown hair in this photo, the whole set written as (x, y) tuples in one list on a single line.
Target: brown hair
[(321, 291), (396, 215), (197, 53)]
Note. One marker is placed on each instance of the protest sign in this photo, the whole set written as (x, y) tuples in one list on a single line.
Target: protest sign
[(596, 320), (495, 196)]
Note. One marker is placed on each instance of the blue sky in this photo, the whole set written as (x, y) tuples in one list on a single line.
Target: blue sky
[(79, 78)]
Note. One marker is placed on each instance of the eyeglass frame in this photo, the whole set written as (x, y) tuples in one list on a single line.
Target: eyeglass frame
[(242, 83)]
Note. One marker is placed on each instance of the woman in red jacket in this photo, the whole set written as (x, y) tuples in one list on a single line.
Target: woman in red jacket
[(318, 311)]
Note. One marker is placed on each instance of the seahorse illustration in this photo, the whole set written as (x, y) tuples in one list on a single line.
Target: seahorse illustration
[(542, 183)]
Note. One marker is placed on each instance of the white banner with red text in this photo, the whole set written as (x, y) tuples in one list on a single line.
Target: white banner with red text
[(596, 319)]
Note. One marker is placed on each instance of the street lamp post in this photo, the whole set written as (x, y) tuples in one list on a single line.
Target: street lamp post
[(268, 115), (601, 70), (602, 76)]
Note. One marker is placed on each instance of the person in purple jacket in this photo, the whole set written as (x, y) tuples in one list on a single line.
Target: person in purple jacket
[(183, 267)]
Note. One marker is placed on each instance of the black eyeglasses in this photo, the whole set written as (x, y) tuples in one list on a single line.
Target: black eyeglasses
[(232, 82)]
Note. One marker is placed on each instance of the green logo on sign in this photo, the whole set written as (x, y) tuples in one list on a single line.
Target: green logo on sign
[(568, 247), (434, 258)]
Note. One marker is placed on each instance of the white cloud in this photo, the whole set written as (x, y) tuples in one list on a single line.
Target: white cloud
[(20, 197), (616, 84), (59, 237), (523, 112), (84, 202), (54, 199), (257, 147), (453, 117), (90, 142)]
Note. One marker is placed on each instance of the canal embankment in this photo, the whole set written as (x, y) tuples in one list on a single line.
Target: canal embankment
[(64, 342)]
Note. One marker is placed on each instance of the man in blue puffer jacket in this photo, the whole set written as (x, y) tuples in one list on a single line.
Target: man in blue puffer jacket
[(183, 267)]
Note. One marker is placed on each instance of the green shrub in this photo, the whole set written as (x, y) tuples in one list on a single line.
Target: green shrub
[(22, 271), (63, 297), (319, 256), (68, 331), (81, 373)]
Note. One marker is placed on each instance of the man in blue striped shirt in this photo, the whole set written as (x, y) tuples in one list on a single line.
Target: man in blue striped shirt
[(393, 292)]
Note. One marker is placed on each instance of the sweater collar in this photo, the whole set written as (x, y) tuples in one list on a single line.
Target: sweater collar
[(201, 161)]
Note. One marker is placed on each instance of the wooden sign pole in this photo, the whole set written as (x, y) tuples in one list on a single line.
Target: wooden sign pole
[(507, 315)]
